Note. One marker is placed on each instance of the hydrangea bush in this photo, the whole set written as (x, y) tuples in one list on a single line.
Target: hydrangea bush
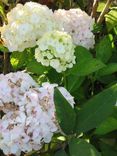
[(58, 82)]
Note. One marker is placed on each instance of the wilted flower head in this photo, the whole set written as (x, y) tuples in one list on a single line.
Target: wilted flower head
[(56, 49), (29, 118), (26, 24), (78, 24)]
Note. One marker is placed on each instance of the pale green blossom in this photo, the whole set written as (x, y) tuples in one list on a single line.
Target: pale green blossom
[(56, 49)]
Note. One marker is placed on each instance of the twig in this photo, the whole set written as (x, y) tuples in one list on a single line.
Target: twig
[(94, 9), (105, 10), (6, 67)]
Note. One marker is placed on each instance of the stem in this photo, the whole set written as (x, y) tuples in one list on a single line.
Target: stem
[(6, 67), (105, 10), (94, 9)]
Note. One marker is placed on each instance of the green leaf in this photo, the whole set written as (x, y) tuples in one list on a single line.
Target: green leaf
[(35, 67), (86, 67), (85, 63), (109, 69), (96, 110), (108, 79), (107, 126), (74, 82), (108, 150), (79, 147), (65, 113), (101, 5), (104, 49), (60, 153), (82, 53), (111, 19), (18, 59), (54, 77)]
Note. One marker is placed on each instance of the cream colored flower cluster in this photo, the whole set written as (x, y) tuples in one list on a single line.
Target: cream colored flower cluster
[(78, 24), (29, 118), (26, 24), (56, 34), (56, 49)]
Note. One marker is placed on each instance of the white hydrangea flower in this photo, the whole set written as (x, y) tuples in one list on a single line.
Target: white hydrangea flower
[(78, 24), (56, 49), (30, 120), (26, 24)]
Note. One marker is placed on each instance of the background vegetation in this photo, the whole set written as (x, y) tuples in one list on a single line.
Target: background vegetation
[(92, 81)]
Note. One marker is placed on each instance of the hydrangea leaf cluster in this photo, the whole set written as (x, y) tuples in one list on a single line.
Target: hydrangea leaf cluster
[(29, 118), (56, 49), (78, 24)]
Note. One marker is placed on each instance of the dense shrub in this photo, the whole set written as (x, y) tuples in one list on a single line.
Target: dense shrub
[(58, 81)]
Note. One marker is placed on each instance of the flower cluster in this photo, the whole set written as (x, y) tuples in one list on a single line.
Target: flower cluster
[(26, 24), (56, 49), (29, 118), (78, 24), (56, 34)]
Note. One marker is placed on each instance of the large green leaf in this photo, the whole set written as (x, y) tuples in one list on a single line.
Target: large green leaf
[(60, 153), (82, 53), (54, 77), (79, 147), (86, 67), (104, 49), (74, 82), (96, 110), (109, 69), (65, 113), (107, 126), (35, 67), (85, 63)]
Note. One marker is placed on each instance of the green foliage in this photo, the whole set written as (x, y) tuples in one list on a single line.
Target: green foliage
[(111, 19), (34, 67), (96, 110), (85, 64), (74, 82), (18, 60), (109, 69), (90, 128), (109, 125), (79, 147), (65, 114), (104, 48), (3, 48)]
